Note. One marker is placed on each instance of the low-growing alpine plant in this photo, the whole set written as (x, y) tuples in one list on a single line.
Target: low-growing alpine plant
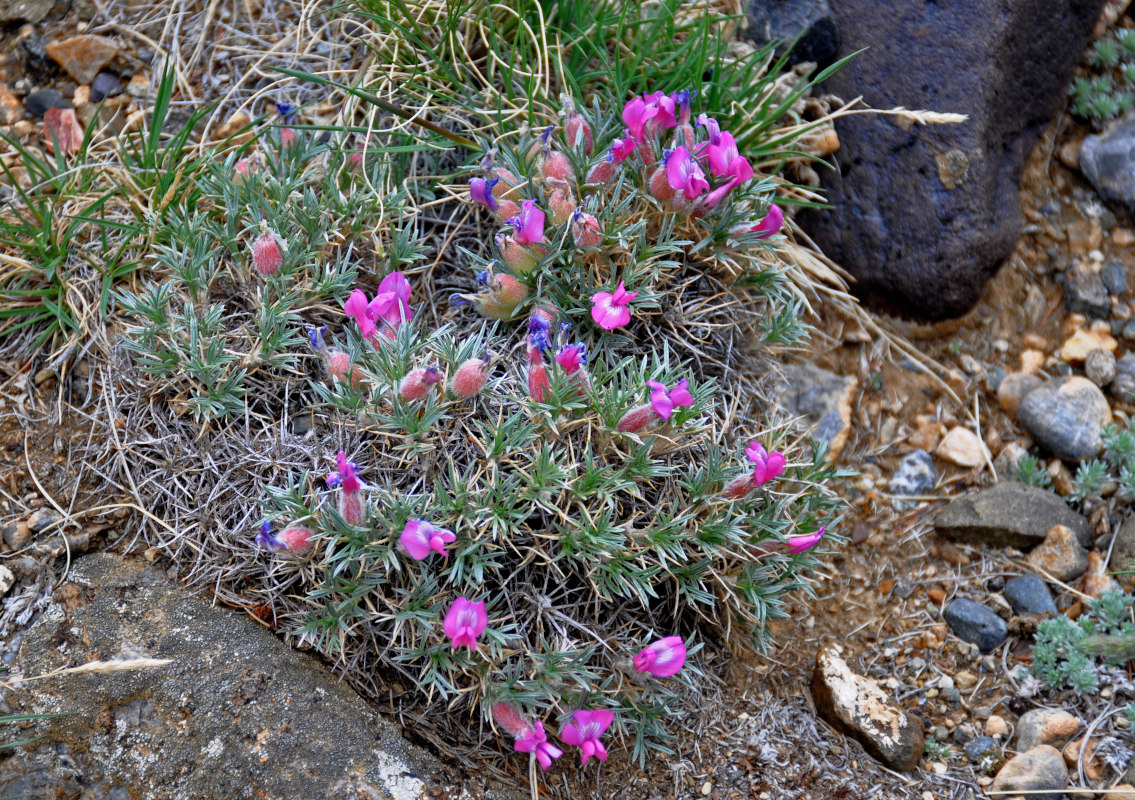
[(522, 553)]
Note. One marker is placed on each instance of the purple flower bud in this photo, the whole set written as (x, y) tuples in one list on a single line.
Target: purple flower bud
[(267, 538)]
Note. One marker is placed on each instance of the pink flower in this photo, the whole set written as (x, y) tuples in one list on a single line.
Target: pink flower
[(622, 148), (572, 357), (418, 382), (538, 383), (420, 538), (662, 110), (464, 622), (611, 310), (684, 174), (798, 544), (481, 192), (662, 658), (391, 307), (771, 222), (584, 729), (350, 498), (529, 224), (767, 466), (722, 153), (536, 741), (635, 116), (739, 171), (664, 400), (268, 252), (711, 127)]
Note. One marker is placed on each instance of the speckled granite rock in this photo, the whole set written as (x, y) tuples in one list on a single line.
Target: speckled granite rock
[(238, 714)]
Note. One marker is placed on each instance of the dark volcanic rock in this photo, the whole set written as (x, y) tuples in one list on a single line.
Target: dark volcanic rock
[(1009, 514), (858, 707), (40, 100), (1108, 161), (923, 215), (1085, 293), (785, 20), (975, 623), (1028, 594), (237, 714)]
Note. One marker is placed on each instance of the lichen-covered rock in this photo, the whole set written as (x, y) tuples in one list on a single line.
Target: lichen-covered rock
[(238, 714), (1009, 514), (858, 707)]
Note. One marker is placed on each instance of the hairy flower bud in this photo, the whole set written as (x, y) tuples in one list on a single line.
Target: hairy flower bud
[(636, 419), (339, 364), (296, 539), (557, 167), (602, 173), (739, 487), (418, 383), (471, 376), (585, 230), (660, 187), (578, 132), (561, 204), (268, 252)]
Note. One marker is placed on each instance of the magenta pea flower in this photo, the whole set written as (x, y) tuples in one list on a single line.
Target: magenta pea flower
[(711, 128), (389, 308), (664, 111), (684, 174), (766, 466), (420, 538), (722, 153), (350, 498), (464, 622), (622, 148), (611, 310), (739, 172), (572, 357), (481, 192), (529, 734), (664, 400), (584, 729), (798, 544), (770, 224), (528, 223), (662, 658)]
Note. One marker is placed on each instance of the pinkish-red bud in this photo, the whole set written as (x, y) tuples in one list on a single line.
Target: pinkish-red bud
[(602, 173), (660, 187), (296, 539), (470, 377), (522, 259), (636, 419), (288, 138), (561, 204), (418, 382), (586, 231), (339, 363), (739, 487), (557, 167), (244, 168), (578, 132), (506, 210), (506, 187), (538, 382), (268, 252)]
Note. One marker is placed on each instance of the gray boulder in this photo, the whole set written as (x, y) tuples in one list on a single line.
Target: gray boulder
[(1066, 415), (238, 714), (1009, 514), (920, 215)]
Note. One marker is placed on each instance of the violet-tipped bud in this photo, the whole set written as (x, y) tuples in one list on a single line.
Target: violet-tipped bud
[(296, 539), (418, 382), (502, 295), (522, 259), (471, 376), (268, 251), (562, 205), (585, 230), (739, 487)]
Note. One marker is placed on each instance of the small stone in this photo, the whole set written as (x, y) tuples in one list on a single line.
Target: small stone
[(1066, 415), (1076, 348), (965, 679), (1085, 293), (857, 706), (17, 534), (937, 596), (25, 10), (1009, 514), (233, 125), (985, 754), (1008, 460), (1032, 361), (105, 85), (1114, 276), (1060, 555), (1013, 387), (962, 448), (41, 519), (1100, 367), (40, 100), (1028, 594), (1096, 580), (1122, 237), (1123, 552), (7, 580), (1123, 384), (996, 726), (139, 86), (822, 398), (1049, 726), (975, 623), (915, 474), (1041, 769), (83, 56), (1094, 767), (926, 433)]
